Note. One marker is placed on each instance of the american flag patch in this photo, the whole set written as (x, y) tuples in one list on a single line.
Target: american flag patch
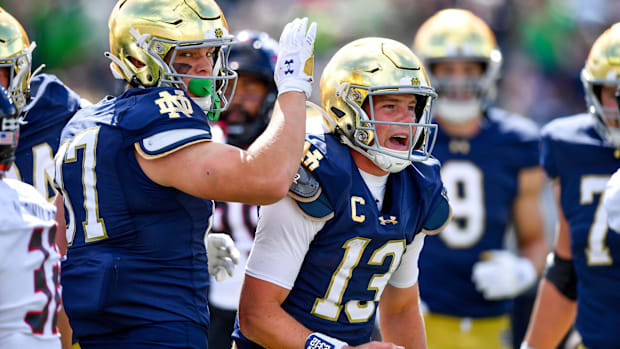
[(7, 138)]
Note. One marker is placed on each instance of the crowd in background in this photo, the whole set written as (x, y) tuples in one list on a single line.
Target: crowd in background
[(544, 42)]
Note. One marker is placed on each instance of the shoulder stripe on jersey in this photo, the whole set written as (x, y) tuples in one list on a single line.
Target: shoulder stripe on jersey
[(166, 142), (140, 150)]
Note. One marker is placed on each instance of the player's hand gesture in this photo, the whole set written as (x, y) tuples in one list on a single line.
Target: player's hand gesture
[(295, 64)]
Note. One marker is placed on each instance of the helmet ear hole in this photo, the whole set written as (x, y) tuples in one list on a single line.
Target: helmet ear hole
[(136, 62), (339, 113)]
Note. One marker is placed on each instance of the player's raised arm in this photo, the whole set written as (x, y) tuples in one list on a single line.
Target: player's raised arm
[(262, 173)]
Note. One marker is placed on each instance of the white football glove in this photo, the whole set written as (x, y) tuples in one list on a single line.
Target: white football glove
[(503, 275), (222, 255), (295, 64)]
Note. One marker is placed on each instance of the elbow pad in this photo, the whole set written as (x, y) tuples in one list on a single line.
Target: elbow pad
[(561, 273)]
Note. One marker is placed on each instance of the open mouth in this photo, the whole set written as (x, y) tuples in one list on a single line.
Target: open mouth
[(399, 142)]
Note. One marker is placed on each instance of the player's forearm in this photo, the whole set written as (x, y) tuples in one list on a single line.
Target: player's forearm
[(406, 328), (536, 252), (61, 238), (274, 157), (552, 317), (272, 327)]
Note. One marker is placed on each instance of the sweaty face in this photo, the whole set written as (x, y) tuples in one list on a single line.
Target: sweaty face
[(4, 77), (193, 61), (457, 78), (393, 108), (610, 105), (247, 100)]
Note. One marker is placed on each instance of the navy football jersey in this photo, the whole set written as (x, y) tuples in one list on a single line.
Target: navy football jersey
[(481, 177), (351, 259), (50, 107), (573, 152), (136, 249)]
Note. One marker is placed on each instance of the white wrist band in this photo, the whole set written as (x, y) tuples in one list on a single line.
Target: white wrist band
[(318, 340)]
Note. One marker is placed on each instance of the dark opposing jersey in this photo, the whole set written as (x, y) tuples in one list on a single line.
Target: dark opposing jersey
[(574, 153), (481, 177), (351, 259), (50, 107), (136, 252)]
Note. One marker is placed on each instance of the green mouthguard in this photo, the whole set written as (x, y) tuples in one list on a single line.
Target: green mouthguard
[(202, 88)]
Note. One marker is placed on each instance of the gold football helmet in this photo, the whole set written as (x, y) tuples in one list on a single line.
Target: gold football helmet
[(16, 55), (602, 68), (151, 30), (376, 66), (456, 34)]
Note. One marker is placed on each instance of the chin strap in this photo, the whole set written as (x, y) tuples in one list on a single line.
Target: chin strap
[(381, 160)]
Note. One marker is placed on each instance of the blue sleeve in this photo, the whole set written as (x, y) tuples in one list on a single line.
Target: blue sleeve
[(436, 197), (546, 157), (531, 153), (439, 212)]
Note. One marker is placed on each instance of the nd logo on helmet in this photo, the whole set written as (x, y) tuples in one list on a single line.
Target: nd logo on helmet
[(219, 33)]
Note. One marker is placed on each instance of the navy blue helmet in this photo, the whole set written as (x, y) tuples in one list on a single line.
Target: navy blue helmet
[(253, 54)]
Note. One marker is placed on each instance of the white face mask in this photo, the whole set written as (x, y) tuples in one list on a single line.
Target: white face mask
[(458, 111)]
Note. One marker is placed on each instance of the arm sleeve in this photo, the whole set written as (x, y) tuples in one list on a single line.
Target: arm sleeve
[(283, 236), (406, 275), (546, 157), (439, 212)]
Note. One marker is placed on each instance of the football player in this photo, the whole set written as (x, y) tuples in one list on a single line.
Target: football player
[(345, 242), (44, 102), (580, 153), (137, 173), (490, 169), (29, 259), (253, 57)]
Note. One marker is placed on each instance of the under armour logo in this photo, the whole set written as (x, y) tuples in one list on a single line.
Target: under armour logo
[(288, 70), (384, 221)]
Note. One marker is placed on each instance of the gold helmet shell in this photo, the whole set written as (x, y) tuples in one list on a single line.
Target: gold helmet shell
[(150, 31), (602, 68), (457, 34), (376, 66), (16, 55)]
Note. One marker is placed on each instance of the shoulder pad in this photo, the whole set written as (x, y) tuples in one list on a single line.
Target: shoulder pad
[(310, 199), (317, 210), (305, 187)]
